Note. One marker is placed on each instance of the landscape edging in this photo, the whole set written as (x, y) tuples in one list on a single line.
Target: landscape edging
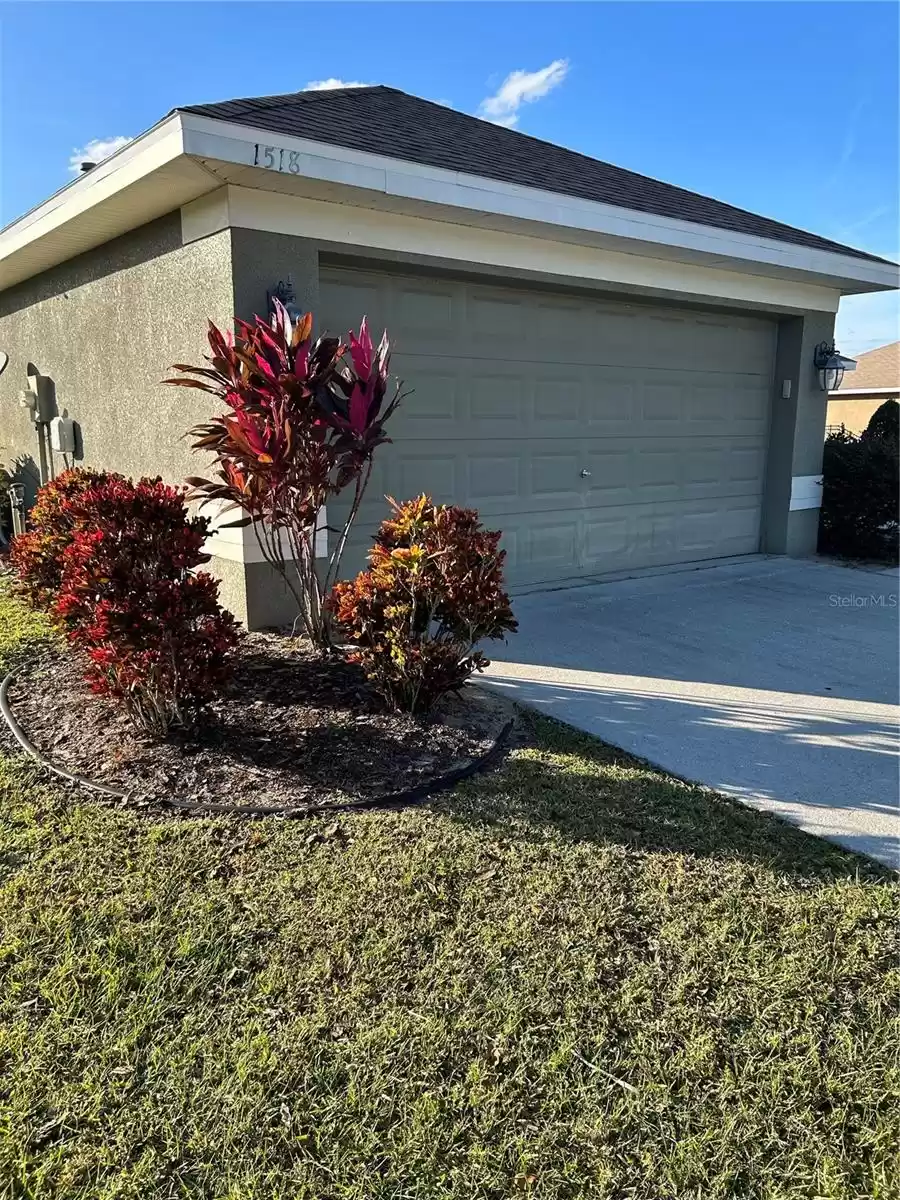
[(402, 799)]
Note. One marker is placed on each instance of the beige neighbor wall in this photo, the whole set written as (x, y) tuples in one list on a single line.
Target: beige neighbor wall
[(107, 327), (854, 412)]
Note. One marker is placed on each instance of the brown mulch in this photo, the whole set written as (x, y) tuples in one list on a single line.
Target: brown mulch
[(294, 730)]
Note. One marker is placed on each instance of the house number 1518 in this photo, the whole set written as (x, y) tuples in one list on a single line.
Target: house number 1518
[(273, 158)]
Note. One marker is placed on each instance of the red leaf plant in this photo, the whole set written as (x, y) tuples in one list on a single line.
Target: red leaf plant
[(304, 419), (434, 590), (151, 625), (36, 555)]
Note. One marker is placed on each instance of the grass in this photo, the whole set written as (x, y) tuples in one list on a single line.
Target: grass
[(574, 978), (21, 628)]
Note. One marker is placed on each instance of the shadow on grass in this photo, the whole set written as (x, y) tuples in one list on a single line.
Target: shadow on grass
[(587, 790)]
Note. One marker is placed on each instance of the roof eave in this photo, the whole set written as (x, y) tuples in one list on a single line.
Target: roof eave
[(186, 155), (148, 177)]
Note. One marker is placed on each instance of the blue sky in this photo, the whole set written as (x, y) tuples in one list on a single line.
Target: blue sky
[(787, 109)]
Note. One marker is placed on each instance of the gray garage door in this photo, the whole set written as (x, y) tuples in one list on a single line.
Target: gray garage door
[(599, 436)]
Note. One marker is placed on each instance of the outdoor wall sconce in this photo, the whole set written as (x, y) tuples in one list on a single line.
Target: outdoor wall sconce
[(831, 366), (284, 291)]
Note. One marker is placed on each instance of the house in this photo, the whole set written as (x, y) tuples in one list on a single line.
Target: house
[(876, 379), (616, 372)]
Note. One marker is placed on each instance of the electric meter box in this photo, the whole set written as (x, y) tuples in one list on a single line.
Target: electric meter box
[(62, 435)]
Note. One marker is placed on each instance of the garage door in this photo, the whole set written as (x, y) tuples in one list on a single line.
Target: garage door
[(599, 436)]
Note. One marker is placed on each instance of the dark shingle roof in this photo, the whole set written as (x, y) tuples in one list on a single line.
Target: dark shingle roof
[(383, 120), (878, 369)]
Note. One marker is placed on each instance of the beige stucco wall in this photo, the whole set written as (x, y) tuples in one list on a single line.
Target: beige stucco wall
[(853, 412), (107, 327)]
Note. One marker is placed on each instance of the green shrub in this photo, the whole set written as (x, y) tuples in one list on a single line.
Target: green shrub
[(433, 592), (861, 486), (885, 423)]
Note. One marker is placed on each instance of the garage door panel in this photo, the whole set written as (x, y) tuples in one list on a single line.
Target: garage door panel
[(495, 477), (732, 523), (607, 539), (658, 474), (612, 402), (746, 465), (437, 399), (427, 311), (710, 405), (511, 543), (632, 537), (599, 436), (611, 476), (497, 397), (622, 470), (731, 345), (437, 474), (560, 323), (612, 335), (558, 402), (702, 468), (750, 409), (699, 531), (741, 524), (551, 548), (556, 475), (501, 480), (495, 316), (349, 296), (662, 404)]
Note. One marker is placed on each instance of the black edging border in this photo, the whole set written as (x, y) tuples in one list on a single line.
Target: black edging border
[(404, 799)]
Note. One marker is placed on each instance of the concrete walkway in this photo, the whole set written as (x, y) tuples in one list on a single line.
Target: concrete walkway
[(774, 680)]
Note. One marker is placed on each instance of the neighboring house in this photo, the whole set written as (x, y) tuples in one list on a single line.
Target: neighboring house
[(616, 372), (876, 379)]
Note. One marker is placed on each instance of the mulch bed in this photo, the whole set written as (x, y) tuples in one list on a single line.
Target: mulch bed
[(295, 730)]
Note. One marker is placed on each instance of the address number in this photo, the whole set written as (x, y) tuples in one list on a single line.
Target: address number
[(274, 158)]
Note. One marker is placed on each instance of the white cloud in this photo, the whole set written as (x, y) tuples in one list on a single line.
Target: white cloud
[(864, 322), (95, 151), (522, 87), (328, 85)]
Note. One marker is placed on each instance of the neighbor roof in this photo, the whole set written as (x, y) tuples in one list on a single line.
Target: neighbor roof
[(383, 120), (878, 370)]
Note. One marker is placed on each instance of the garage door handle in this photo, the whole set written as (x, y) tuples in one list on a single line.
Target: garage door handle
[(585, 474)]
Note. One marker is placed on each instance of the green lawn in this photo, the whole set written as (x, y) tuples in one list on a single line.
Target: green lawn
[(573, 978)]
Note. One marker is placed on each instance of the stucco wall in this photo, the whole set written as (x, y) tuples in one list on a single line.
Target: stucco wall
[(107, 327), (260, 260), (853, 412), (796, 435)]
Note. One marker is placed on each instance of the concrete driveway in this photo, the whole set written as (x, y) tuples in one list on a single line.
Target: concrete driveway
[(774, 680)]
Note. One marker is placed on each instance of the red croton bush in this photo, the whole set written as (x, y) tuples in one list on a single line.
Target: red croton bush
[(304, 419), (129, 596), (434, 590), (36, 556), (114, 561)]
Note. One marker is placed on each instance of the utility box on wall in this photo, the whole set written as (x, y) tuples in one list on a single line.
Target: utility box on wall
[(62, 435)]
